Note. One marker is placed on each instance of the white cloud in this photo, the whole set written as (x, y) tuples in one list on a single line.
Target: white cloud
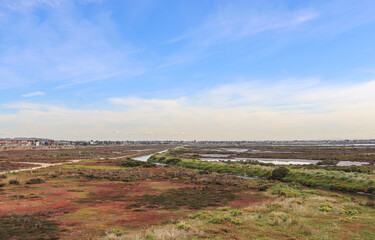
[(147, 103), (301, 94), (304, 109), (33, 94)]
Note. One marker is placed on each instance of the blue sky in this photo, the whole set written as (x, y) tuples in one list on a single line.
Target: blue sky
[(236, 70)]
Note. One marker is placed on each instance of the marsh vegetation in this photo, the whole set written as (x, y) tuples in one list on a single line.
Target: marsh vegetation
[(187, 198)]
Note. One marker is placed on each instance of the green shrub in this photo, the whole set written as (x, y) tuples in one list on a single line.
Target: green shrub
[(235, 212), (220, 220), (285, 191), (201, 215), (279, 173), (173, 161), (311, 191), (183, 226), (342, 211), (223, 208), (326, 207), (202, 172), (3, 176), (352, 212)]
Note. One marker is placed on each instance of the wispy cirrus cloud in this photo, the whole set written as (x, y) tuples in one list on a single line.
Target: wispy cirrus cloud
[(265, 27), (62, 46), (33, 94), (26, 5), (234, 23)]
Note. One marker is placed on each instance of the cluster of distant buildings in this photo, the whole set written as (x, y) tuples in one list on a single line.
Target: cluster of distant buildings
[(17, 142), (39, 142)]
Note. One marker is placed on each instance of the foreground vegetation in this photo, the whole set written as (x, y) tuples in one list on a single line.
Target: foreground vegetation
[(120, 198)]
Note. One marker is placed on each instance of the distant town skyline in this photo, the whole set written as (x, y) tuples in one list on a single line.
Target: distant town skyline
[(187, 70)]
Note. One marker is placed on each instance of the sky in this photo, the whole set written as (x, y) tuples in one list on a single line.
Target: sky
[(187, 70)]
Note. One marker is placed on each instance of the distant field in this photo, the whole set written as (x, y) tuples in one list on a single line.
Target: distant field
[(339, 153), (56, 154), (114, 197)]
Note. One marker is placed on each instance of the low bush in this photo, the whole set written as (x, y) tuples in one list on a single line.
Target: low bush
[(223, 208), (3, 176), (235, 212), (133, 163), (202, 172), (279, 173), (264, 186), (201, 215), (350, 212), (35, 181), (311, 191), (173, 161), (220, 220), (285, 190), (183, 226), (326, 207), (14, 182)]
